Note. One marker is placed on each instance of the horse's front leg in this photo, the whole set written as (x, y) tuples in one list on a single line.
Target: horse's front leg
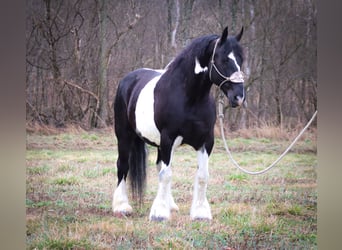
[(164, 203), (173, 205), (200, 208)]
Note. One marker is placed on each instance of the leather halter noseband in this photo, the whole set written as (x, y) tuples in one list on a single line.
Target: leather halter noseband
[(236, 77)]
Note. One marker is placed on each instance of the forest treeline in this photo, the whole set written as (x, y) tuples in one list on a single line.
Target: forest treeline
[(78, 50)]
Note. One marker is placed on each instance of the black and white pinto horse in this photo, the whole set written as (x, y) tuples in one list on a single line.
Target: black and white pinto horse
[(169, 107)]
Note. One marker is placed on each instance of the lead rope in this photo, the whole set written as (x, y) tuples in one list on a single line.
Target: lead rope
[(221, 116)]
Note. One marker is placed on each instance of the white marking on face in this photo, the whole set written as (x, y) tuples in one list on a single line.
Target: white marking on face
[(144, 113), (231, 56), (199, 68)]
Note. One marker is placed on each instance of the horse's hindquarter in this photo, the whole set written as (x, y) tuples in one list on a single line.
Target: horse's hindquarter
[(134, 104)]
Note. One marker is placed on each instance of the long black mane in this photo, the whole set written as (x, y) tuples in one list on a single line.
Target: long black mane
[(197, 48), (182, 67)]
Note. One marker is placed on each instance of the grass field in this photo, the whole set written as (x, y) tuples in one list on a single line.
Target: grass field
[(71, 176)]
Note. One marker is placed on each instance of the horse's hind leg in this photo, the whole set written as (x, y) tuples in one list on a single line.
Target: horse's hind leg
[(125, 138), (120, 203)]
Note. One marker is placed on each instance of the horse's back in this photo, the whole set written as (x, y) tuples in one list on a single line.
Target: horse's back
[(135, 81)]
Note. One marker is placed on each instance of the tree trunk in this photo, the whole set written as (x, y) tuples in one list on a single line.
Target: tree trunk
[(185, 18), (277, 97), (102, 112), (56, 107)]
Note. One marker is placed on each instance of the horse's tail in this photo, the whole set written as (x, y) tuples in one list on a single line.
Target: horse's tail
[(137, 168)]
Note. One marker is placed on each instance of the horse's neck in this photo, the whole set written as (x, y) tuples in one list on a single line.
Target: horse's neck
[(200, 78), (198, 89)]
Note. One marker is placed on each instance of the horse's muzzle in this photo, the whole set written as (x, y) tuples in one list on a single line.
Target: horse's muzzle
[(236, 101)]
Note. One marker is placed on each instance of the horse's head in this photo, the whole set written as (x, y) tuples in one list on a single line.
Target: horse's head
[(225, 67)]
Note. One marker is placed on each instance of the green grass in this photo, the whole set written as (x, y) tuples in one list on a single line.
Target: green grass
[(71, 178), (65, 181), (240, 177)]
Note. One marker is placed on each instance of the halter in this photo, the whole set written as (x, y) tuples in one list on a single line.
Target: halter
[(236, 77)]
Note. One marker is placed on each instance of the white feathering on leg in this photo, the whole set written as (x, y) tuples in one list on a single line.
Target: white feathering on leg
[(200, 208), (120, 203)]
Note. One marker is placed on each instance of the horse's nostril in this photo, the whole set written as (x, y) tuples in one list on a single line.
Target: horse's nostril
[(239, 100)]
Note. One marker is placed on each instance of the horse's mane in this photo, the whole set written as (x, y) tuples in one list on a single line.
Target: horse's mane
[(186, 58)]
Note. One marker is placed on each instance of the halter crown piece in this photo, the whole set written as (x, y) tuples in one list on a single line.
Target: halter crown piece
[(236, 77)]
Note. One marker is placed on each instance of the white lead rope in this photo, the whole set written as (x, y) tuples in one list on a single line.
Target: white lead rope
[(221, 116)]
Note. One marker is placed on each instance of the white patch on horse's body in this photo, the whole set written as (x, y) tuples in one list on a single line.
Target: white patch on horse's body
[(156, 70), (164, 202), (120, 200), (198, 68), (144, 112), (200, 208), (167, 66), (231, 56)]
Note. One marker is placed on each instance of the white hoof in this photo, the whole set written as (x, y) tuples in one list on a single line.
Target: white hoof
[(123, 209), (160, 211), (200, 211)]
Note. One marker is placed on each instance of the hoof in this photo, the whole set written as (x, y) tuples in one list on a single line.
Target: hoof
[(123, 210), (201, 211), (158, 219), (201, 219), (121, 214), (160, 211)]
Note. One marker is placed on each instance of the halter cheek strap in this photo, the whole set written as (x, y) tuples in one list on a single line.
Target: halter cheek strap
[(236, 77)]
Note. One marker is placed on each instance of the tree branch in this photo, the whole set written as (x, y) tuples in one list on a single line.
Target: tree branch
[(82, 89)]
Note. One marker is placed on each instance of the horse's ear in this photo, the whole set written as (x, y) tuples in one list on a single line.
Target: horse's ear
[(238, 37), (224, 35)]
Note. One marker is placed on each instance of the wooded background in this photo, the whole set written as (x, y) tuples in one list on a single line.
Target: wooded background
[(78, 50)]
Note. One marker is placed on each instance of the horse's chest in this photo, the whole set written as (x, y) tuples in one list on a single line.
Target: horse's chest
[(144, 113)]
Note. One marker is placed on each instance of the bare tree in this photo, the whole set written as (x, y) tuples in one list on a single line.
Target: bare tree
[(77, 51)]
